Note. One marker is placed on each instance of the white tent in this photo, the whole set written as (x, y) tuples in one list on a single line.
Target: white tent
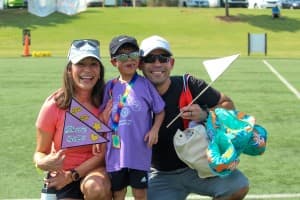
[(71, 7), (41, 8), (1, 4)]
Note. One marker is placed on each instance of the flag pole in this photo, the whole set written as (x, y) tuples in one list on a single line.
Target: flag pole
[(191, 102), (223, 64)]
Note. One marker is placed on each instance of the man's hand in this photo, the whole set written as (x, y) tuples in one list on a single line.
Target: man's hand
[(232, 166), (193, 112)]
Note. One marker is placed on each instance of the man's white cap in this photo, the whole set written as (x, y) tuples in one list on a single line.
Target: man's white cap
[(152, 43)]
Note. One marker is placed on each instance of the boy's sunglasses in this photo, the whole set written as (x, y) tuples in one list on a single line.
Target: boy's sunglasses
[(162, 58), (124, 57), (80, 43)]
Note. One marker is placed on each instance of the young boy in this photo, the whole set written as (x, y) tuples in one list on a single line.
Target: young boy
[(136, 116)]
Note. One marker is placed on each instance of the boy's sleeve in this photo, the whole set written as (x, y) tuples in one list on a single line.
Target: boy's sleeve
[(158, 103)]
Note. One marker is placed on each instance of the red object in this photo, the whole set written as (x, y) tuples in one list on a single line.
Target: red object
[(185, 97)]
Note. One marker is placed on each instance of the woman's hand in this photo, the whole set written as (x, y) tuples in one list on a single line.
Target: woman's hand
[(59, 179), (193, 112), (52, 162)]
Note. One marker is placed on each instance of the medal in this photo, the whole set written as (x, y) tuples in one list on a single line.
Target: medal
[(116, 141)]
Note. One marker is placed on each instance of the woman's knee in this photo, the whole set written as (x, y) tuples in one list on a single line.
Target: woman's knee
[(96, 186), (96, 190)]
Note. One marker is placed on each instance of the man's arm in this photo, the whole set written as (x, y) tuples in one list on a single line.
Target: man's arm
[(225, 102)]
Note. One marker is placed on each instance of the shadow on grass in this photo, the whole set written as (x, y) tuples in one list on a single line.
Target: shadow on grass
[(21, 18), (265, 22)]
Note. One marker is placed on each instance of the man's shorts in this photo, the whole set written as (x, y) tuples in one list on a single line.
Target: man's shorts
[(178, 184), (71, 190), (128, 177)]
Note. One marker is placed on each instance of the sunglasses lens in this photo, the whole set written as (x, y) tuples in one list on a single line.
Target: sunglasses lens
[(124, 57), (149, 59), (163, 58), (134, 55), (152, 58), (94, 43), (78, 43)]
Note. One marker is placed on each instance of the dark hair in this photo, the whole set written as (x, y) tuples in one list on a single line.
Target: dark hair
[(64, 96)]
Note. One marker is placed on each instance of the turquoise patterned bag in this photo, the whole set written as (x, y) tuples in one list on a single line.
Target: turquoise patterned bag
[(231, 133)]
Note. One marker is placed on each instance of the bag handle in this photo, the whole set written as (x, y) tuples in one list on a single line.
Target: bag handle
[(185, 97), (185, 78)]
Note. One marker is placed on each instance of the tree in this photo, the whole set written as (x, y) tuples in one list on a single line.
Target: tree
[(226, 8)]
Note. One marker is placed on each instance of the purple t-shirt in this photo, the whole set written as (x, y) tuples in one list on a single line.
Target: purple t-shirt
[(136, 120)]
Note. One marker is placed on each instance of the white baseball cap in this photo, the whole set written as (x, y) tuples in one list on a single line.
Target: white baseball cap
[(152, 43), (84, 48)]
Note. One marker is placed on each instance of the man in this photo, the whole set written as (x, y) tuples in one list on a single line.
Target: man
[(275, 12), (170, 178)]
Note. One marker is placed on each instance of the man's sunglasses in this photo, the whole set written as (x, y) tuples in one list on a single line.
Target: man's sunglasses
[(124, 57), (91, 42), (162, 58)]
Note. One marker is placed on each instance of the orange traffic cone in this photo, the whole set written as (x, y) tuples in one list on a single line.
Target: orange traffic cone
[(26, 46)]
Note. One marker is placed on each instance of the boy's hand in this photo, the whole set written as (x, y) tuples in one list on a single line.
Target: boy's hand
[(151, 137), (99, 149), (105, 114)]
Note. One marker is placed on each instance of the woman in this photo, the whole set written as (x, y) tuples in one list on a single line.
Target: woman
[(76, 173)]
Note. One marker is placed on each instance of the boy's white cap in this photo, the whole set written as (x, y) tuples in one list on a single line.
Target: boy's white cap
[(152, 43)]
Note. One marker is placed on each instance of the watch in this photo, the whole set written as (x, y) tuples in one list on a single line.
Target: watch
[(75, 175)]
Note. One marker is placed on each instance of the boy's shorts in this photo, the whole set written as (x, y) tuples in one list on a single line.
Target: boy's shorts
[(128, 177), (71, 190)]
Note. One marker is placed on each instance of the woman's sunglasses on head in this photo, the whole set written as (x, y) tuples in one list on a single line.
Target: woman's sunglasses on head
[(82, 42)]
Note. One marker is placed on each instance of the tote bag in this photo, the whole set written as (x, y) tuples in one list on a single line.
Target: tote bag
[(191, 147)]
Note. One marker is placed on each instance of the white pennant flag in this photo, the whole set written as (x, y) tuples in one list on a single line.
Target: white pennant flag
[(216, 67)]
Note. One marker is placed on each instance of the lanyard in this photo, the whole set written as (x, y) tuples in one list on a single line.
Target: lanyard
[(123, 99)]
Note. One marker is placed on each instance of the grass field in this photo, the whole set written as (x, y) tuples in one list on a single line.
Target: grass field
[(192, 32), (26, 82)]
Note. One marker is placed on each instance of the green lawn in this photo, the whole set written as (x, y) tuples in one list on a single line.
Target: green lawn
[(195, 34), (26, 82), (192, 32)]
